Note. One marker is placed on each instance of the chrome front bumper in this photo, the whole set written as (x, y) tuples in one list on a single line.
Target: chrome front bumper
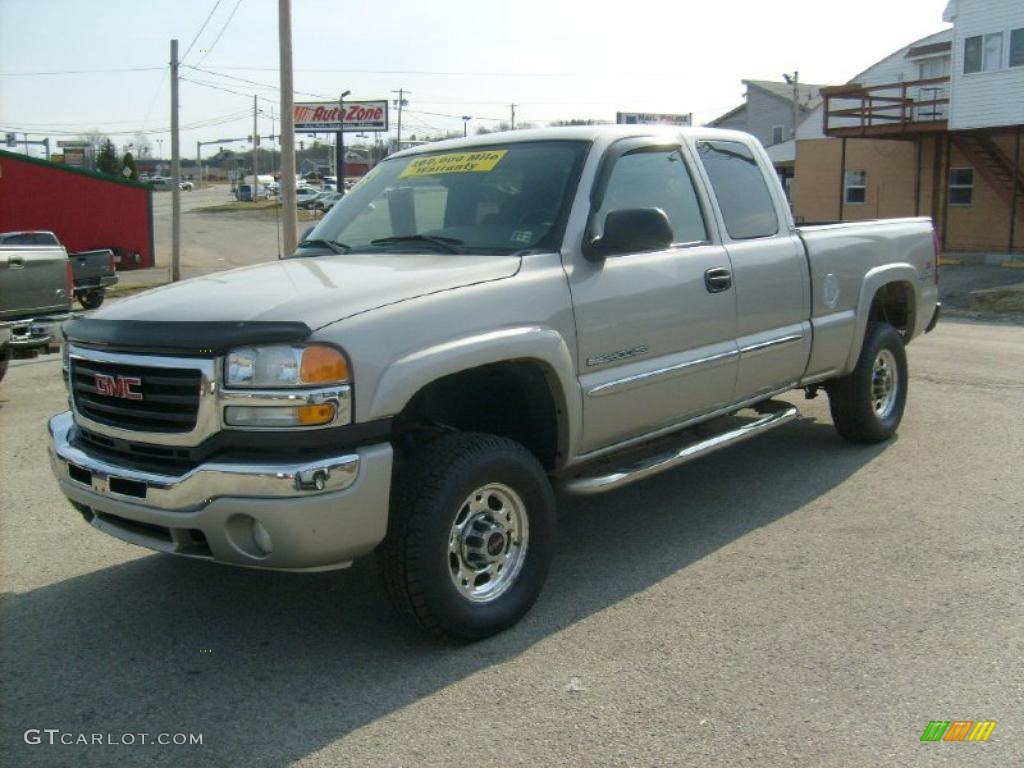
[(316, 515), (32, 333)]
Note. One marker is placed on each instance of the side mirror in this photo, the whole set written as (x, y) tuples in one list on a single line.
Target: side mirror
[(631, 230)]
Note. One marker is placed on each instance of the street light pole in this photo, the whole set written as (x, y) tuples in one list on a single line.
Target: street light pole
[(465, 125), (341, 142)]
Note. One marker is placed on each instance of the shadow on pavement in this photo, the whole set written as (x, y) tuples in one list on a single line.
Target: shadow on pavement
[(273, 667)]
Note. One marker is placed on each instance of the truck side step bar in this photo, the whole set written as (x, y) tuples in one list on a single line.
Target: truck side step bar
[(774, 414)]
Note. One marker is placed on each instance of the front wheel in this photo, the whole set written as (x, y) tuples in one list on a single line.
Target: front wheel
[(470, 536), (867, 405)]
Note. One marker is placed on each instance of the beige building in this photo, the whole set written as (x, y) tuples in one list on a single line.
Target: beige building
[(933, 130)]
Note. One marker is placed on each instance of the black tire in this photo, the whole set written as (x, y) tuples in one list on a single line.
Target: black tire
[(92, 299), (852, 399), (5, 357), (430, 493)]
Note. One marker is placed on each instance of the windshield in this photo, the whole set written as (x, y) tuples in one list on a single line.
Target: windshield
[(495, 199)]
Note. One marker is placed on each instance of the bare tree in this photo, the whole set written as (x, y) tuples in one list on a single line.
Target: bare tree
[(143, 147)]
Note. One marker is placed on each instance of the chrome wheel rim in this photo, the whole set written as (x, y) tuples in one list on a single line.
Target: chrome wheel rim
[(487, 543), (884, 384)]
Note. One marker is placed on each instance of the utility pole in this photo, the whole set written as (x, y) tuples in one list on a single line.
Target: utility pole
[(340, 172), (795, 82), (513, 108), (255, 147), (199, 161), (175, 171), (465, 124), (290, 226), (401, 103)]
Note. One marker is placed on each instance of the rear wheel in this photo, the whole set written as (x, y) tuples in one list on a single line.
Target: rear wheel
[(470, 536), (867, 405), (5, 356), (92, 299)]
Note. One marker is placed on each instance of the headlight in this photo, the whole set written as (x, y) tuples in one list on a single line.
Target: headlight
[(285, 366)]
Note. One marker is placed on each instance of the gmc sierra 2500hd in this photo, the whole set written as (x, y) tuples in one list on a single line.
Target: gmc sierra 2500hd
[(476, 323)]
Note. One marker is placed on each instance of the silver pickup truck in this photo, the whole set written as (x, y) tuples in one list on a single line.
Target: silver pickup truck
[(36, 286), (475, 325)]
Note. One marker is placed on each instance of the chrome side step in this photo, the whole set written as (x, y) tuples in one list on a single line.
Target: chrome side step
[(775, 415)]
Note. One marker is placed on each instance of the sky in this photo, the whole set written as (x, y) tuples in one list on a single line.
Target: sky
[(554, 59)]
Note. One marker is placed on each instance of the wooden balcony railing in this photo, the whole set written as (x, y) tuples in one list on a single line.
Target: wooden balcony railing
[(917, 106)]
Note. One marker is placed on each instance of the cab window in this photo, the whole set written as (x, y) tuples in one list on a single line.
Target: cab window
[(656, 177)]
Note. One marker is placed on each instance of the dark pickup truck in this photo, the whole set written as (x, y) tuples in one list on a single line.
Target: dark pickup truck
[(92, 271)]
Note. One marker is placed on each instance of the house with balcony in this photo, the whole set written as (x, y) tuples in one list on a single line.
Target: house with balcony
[(934, 130), (771, 111)]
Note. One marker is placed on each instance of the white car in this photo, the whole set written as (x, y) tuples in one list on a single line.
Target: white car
[(304, 195)]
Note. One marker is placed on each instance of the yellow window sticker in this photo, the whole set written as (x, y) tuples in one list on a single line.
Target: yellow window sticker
[(456, 162)]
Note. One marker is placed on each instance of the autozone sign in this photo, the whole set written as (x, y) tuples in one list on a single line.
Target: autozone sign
[(322, 116)]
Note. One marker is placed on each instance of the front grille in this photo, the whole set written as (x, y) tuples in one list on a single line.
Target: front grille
[(169, 403)]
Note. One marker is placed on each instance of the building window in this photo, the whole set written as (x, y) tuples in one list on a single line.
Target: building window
[(1017, 47), (983, 53), (777, 131), (856, 187), (961, 186)]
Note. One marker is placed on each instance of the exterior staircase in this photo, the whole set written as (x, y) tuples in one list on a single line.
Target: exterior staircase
[(993, 164)]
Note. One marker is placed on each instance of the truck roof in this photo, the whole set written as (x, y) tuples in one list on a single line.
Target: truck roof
[(593, 133)]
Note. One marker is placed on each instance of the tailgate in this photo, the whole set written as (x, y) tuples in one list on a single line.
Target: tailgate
[(33, 281), (90, 266)]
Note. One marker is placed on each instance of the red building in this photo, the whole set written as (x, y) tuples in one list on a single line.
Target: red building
[(85, 210)]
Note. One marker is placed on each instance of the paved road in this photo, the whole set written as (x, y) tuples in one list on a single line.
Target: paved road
[(211, 242), (794, 601)]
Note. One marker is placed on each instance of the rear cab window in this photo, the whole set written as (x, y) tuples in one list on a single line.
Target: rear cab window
[(738, 182)]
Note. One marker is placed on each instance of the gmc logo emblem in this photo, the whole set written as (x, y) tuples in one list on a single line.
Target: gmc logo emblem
[(118, 386)]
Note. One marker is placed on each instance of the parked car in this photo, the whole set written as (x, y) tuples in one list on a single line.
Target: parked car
[(310, 202), (93, 271), (185, 186), (303, 195), (478, 323), (325, 202)]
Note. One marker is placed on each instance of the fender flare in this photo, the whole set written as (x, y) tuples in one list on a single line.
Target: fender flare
[(401, 380), (874, 281)]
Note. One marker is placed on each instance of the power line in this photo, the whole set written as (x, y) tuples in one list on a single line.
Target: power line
[(156, 95), (79, 72), (467, 73), (255, 82), (209, 122), (210, 16), (221, 33), (216, 87)]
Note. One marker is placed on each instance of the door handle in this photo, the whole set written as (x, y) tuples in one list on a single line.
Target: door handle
[(16, 262), (717, 280)]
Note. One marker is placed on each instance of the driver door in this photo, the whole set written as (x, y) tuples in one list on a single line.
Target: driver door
[(655, 330)]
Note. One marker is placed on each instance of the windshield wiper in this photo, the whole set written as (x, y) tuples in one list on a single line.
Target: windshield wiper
[(449, 244), (332, 245)]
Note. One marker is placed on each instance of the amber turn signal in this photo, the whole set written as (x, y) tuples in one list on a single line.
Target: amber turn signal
[(323, 365), (312, 415)]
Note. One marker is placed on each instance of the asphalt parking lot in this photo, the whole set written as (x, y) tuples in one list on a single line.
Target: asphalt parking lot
[(792, 601)]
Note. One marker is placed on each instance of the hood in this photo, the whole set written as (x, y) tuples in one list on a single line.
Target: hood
[(316, 291)]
